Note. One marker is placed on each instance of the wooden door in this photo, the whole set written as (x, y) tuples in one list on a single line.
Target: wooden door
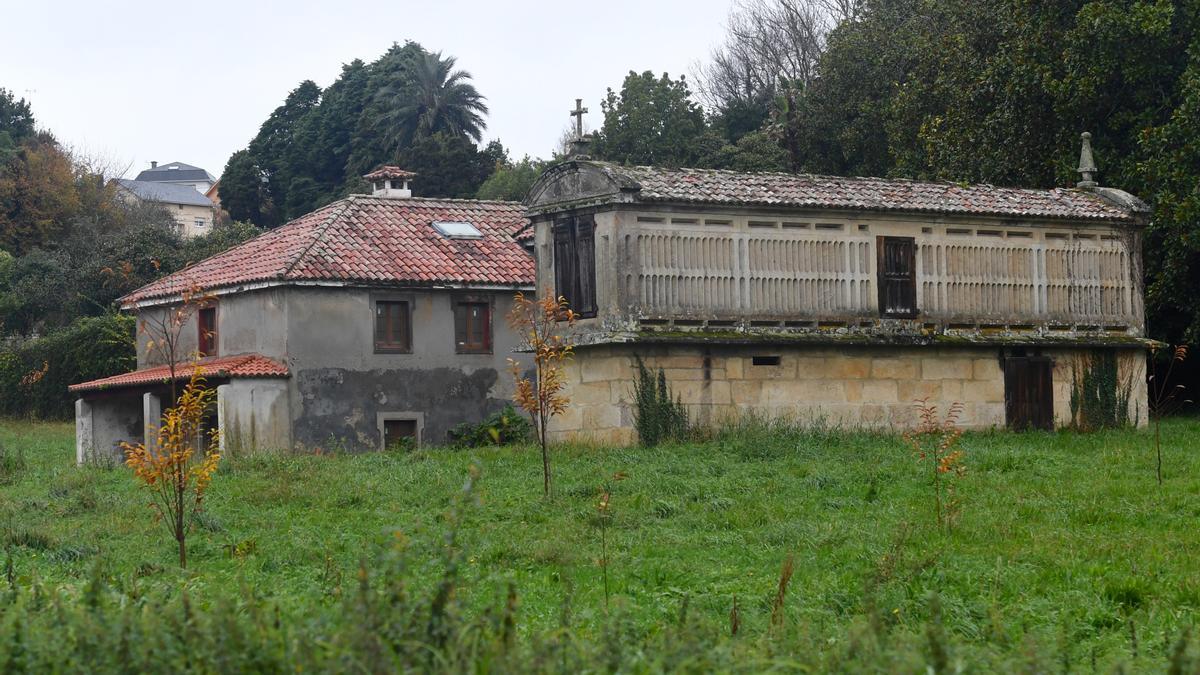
[(896, 276), (1029, 392)]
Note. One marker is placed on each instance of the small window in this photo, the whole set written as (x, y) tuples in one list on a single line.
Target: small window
[(200, 222), (393, 327), (457, 230), (399, 434), (206, 324), (473, 327), (765, 360)]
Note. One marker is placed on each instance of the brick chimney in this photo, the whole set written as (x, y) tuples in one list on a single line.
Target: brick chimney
[(390, 181)]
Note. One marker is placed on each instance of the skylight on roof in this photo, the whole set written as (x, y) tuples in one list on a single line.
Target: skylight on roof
[(457, 230)]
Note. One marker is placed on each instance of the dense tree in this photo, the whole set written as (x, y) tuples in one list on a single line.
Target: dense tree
[(652, 120), (243, 195), (16, 124), (315, 147), (448, 165), (511, 181), (37, 195)]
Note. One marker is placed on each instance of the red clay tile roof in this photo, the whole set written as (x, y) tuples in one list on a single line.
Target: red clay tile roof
[(243, 365), (389, 172), (370, 240), (711, 186)]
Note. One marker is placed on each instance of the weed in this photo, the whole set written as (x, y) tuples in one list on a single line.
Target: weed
[(12, 463), (656, 417)]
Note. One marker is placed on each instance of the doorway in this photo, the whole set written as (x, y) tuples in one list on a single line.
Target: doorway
[(1029, 392)]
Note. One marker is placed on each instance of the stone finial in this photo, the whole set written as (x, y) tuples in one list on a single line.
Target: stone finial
[(1087, 164)]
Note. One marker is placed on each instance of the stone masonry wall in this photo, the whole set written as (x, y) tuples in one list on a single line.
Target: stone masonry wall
[(860, 387)]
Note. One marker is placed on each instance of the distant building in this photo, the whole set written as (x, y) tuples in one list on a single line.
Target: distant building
[(178, 173), (191, 209)]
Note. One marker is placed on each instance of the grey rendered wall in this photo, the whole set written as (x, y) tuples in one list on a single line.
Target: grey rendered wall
[(253, 321), (340, 388), (253, 415)]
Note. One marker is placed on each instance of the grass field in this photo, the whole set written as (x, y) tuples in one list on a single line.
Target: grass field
[(1066, 548)]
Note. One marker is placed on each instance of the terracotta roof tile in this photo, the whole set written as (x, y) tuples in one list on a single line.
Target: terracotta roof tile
[(711, 186), (243, 365), (371, 240)]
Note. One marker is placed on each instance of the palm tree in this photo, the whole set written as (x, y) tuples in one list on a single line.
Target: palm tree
[(435, 99)]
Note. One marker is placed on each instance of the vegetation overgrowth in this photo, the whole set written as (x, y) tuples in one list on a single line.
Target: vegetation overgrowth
[(1069, 557)]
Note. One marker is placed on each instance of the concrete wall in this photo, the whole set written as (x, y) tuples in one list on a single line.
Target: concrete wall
[(797, 268), (254, 414), (102, 423), (340, 387), (250, 322), (873, 387)]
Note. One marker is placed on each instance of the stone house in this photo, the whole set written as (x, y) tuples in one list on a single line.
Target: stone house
[(372, 319), (842, 300)]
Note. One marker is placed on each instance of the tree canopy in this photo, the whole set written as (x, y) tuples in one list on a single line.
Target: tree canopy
[(410, 106)]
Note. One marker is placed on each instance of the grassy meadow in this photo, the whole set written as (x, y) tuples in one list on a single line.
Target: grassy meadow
[(1066, 555)]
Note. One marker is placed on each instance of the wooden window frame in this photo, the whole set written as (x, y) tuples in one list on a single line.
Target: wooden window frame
[(574, 246), (392, 347), (884, 281), (461, 303), (207, 337), (382, 418)]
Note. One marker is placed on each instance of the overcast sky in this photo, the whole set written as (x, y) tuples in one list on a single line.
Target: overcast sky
[(192, 82)]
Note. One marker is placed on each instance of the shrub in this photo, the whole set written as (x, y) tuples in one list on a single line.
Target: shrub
[(35, 373), (504, 427), (657, 418)]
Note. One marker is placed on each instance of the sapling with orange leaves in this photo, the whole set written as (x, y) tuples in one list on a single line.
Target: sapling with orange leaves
[(1165, 399), (935, 442), (178, 468), (543, 327)]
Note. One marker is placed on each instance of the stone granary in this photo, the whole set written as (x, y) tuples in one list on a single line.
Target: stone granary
[(840, 300), (368, 320)]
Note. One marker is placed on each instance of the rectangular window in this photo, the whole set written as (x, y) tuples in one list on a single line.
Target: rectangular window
[(393, 327), (575, 263), (206, 324), (472, 327), (897, 276)]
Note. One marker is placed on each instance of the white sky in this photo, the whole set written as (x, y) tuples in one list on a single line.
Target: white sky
[(138, 81)]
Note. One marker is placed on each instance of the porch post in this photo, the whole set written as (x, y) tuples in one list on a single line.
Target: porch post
[(85, 442), (151, 419)]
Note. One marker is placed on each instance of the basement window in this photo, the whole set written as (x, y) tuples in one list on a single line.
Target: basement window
[(457, 230), (765, 360)]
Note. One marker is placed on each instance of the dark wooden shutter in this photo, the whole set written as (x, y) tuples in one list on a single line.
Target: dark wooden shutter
[(585, 248), (896, 268), (206, 342), (564, 261), (1029, 392)]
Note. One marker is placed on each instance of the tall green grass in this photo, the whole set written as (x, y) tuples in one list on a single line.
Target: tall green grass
[(1066, 554)]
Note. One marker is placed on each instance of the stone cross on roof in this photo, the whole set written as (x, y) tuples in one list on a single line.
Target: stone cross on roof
[(578, 114)]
